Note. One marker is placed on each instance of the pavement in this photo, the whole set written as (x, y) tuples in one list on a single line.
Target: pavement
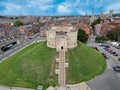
[(79, 86), (13, 88), (106, 81)]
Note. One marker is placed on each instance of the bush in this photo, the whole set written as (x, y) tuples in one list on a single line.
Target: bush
[(18, 23), (118, 59), (101, 39)]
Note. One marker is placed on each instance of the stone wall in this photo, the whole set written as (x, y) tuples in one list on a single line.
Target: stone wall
[(51, 38), (72, 39)]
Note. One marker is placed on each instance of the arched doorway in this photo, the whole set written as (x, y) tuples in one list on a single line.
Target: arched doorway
[(61, 47)]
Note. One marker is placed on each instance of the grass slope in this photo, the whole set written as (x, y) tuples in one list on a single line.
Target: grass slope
[(35, 65), (84, 64), (30, 67)]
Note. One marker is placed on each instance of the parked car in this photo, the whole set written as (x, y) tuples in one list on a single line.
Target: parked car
[(107, 49), (95, 48), (115, 54), (104, 55), (112, 52), (116, 68), (118, 47), (107, 46), (101, 45)]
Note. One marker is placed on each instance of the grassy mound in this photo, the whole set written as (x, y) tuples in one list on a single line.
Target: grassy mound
[(84, 64), (30, 67), (35, 65)]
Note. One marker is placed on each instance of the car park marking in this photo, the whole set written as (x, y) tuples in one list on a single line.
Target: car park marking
[(117, 74), (109, 65)]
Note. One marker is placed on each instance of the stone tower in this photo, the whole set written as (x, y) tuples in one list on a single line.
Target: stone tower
[(92, 17), (101, 13), (111, 13), (62, 37)]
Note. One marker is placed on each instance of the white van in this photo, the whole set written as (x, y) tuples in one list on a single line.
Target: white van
[(114, 44)]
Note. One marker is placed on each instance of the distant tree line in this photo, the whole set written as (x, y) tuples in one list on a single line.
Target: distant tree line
[(113, 35), (101, 39)]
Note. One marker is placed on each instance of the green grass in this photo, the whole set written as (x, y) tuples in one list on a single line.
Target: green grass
[(84, 64), (30, 67), (35, 65)]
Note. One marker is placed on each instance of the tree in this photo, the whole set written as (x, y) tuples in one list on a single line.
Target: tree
[(18, 23), (117, 31), (82, 36), (97, 21), (101, 38), (114, 34)]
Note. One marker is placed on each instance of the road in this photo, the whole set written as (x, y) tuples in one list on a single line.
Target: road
[(109, 80), (19, 47)]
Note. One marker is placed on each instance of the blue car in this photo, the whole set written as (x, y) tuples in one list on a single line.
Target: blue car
[(116, 68), (113, 52)]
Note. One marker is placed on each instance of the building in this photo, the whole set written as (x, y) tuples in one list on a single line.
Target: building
[(97, 28), (61, 37), (27, 29), (107, 26), (106, 16), (84, 27)]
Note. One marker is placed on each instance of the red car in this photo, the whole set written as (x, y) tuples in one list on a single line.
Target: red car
[(115, 54), (107, 49)]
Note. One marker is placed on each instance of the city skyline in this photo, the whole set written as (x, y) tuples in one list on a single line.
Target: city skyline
[(57, 7)]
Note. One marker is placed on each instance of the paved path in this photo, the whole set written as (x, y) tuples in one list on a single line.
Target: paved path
[(79, 86), (13, 88), (62, 71)]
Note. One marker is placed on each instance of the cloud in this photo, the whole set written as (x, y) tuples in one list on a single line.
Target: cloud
[(63, 9), (40, 4), (12, 9), (81, 12), (114, 6), (77, 1), (57, 7)]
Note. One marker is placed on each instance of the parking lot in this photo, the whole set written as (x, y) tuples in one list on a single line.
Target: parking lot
[(110, 78)]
